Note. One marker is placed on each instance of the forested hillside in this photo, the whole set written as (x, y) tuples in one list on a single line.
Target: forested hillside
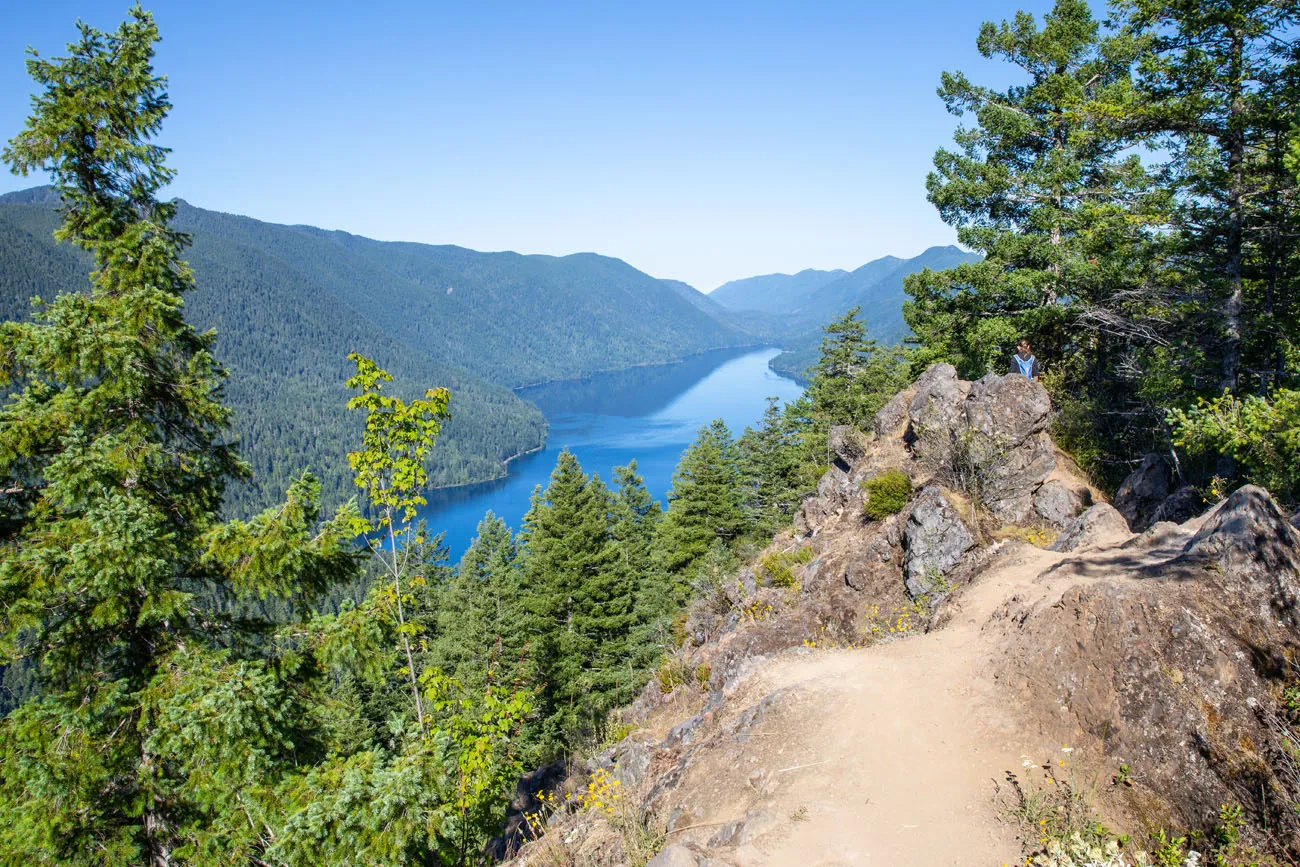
[(802, 303), (808, 300), (289, 303)]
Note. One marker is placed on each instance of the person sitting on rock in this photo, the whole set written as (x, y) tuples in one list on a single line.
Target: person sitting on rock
[(1024, 361)]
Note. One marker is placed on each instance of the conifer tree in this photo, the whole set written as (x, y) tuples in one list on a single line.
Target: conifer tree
[(1219, 92), (575, 605), (478, 617), (114, 457), (1042, 186), (706, 504), (771, 458)]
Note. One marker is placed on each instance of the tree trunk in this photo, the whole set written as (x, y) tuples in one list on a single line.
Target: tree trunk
[(1235, 145)]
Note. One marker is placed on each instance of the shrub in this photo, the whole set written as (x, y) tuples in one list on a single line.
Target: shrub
[(965, 460), (887, 494), (671, 674), (778, 566), (702, 675)]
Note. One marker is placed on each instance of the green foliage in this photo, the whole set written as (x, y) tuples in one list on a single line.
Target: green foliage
[(672, 673), (158, 712), (706, 504), (887, 494), (778, 567), (1262, 434), (853, 378), (578, 605)]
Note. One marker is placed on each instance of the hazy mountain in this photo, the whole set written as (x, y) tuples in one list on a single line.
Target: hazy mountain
[(773, 293), (808, 300), (290, 302)]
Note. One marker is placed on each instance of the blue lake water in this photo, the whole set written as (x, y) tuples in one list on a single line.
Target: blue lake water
[(649, 414)]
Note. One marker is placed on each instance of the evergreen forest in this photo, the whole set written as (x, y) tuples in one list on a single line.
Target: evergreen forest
[(306, 679)]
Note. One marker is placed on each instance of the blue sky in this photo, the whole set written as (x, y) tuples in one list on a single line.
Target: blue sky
[(699, 141)]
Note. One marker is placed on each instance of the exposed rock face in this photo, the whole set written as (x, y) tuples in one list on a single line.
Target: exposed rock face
[(938, 400), (1173, 660), (893, 416), (1099, 525), (1056, 503), (1182, 505), (1010, 412), (935, 539), (1140, 495), (848, 445)]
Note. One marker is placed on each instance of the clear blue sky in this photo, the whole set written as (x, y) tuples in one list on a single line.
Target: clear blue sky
[(698, 141)]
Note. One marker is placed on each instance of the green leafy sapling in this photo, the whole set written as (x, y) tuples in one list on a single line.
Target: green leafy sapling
[(390, 468)]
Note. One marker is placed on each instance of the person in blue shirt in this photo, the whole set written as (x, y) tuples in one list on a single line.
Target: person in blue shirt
[(1024, 361)]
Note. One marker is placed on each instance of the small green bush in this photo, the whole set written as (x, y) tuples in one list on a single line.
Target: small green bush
[(778, 566), (672, 673), (887, 494), (702, 675)]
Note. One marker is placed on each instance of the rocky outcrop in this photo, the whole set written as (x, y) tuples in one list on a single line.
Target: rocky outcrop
[(937, 401), (1171, 650), (935, 540), (1165, 652), (1056, 503), (1100, 525), (1009, 414), (1141, 493)]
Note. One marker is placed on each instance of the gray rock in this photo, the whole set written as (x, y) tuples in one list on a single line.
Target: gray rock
[(1182, 505), (1014, 477), (938, 401), (1099, 525), (1140, 495), (834, 488), (1248, 534), (848, 444), (1056, 503), (1009, 408), (891, 417), (1008, 416), (1295, 520), (676, 855), (935, 539)]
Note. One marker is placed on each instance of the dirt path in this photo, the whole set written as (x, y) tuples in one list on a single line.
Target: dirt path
[(900, 744)]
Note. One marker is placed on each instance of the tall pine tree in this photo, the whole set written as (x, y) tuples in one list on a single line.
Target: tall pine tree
[(114, 456)]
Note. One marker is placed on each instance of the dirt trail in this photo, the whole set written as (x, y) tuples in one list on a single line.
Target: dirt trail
[(899, 745)]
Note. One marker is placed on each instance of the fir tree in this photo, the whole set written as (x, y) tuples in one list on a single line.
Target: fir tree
[(706, 503), (114, 457), (771, 459), (1042, 186), (573, 601), (478, 625)]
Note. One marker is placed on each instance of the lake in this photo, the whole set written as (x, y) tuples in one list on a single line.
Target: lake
[(648, 414)]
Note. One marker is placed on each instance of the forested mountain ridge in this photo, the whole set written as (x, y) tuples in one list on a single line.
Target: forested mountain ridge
[(290, 302), (773, 293), (810, 299)]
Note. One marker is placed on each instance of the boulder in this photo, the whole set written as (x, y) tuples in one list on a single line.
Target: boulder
[(1182, 505), (848, 445), (1057, 503), (1009, 415), (892, 417), (935, 539), (1008, 408), (1016, 475), (1248, 535), (937, 404), (1141, 494), (1099, 525)]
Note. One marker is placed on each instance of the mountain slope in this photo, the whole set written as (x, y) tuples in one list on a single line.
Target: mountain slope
[(773, 293), (877, 287), (290, 302)]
